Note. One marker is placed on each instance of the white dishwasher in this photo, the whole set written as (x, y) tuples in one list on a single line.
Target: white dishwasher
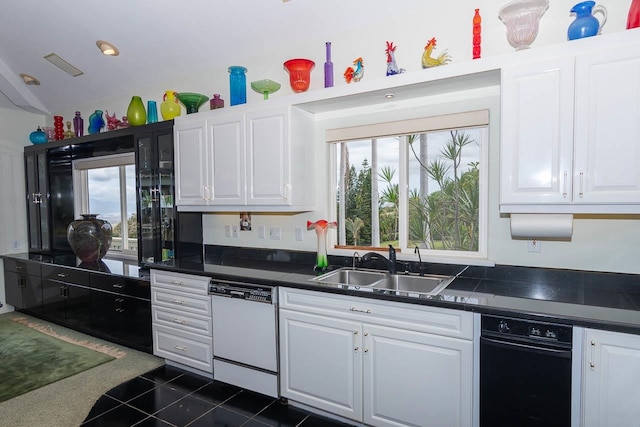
[(245, 335)]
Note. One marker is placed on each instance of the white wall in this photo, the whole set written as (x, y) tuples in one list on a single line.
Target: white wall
[(604, 244)]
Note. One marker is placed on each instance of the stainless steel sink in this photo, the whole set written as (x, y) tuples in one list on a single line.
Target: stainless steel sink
[(352, 277), (370, 280), (429, 284)]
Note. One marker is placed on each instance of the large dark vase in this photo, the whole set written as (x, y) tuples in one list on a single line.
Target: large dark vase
[(89, 238)]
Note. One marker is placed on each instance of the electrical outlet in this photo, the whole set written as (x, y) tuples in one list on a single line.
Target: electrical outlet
[(275, 233), (261, 232), (227, 231), (299, 234), (534, 246), (235, 230)]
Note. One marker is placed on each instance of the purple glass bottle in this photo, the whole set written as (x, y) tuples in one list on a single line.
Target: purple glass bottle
[(216, 102), (78, 124), (328, 68)]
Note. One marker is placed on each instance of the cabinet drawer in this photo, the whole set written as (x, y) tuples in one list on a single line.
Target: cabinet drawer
[(121, 285), (182, 301), (189, 349), (22, 267), (180, 282), (182, 321), (420, 318), (67, 275)]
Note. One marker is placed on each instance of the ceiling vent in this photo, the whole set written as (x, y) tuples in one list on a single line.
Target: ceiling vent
[(63, 65)]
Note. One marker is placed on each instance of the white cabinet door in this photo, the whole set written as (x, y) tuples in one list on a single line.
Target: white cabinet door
[(611, 388), (226, 137), (268, 157), (607, 133), (321, 362), (416, 379), (537, 133), (190, 153)]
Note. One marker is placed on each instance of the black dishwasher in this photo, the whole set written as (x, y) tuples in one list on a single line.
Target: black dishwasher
[(525, 373)]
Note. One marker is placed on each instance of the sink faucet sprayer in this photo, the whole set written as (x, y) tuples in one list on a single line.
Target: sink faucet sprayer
[(389, 263)]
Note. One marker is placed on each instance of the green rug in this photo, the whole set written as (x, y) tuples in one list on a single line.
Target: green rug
[(33, 355)]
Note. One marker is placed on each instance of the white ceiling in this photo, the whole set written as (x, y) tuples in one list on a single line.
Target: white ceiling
[(187, 35)]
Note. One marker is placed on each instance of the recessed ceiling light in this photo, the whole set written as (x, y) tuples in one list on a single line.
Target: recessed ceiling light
[(63, 65), (30, 80), (107, 48)]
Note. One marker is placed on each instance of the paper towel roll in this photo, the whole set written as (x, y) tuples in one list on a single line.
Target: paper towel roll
[(542, 226)]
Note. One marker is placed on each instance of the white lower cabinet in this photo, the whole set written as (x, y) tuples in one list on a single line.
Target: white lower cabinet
[(380, 363), (611, 380), (181, 319)]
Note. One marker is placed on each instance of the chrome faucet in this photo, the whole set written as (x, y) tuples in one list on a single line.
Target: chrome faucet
[(356, 259), (389, 263)]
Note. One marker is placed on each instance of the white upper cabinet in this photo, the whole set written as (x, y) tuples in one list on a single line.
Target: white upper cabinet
[(571, 134), (245, 160)]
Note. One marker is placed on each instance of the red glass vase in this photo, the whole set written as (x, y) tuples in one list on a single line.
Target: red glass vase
[(633, 18), (299, 73)]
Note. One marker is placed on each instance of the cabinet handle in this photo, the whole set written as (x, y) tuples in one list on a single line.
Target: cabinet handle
[(366, 334), (287, 191), (119, 310), (62, 275), (116, 285), (356, 349), (22, 283), (366, 350), (176, 282), (182, 322), (177, 347), (355, 332), (19, 267), (175, 301), (581, 193), (593, 349), (119, 300), (367, 311), (564, 185)]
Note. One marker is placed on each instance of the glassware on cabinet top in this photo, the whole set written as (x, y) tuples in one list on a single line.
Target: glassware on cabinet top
[(238, 84), (299, 70), (265, 87), (522, 18), (170, 108), (586, 24), (192, 101)]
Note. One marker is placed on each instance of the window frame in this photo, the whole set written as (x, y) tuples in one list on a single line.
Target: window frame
[(81, 190), (403, 127)]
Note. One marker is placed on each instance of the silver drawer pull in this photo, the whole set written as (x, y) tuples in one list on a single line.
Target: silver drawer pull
[(177, 282), (116, 285), (368, 311), (182, 322), (62, 275), (175, 301), (177, 347)]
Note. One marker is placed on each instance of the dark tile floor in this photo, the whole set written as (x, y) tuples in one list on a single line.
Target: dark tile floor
[(169, 396)]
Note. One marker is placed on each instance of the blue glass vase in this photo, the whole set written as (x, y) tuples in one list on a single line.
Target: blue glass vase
[(238, 84), (96, 122)]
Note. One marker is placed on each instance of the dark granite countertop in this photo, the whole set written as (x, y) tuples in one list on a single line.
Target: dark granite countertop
[(108, 265), (608, 301)]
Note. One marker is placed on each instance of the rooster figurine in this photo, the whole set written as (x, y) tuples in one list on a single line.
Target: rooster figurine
[(392, 67), (428, 61), (351, 74)]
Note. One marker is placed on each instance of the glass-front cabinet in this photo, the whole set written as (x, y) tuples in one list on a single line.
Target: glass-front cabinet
[(155, 183), (37, 200)]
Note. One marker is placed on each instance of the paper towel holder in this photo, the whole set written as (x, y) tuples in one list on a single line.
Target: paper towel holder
[(556, 227)]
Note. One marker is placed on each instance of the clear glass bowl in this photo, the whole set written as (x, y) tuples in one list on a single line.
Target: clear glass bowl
[(521, 18)]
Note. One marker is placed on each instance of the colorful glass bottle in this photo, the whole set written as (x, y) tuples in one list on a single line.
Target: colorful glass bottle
[(170, 108), (78, 124), (152, 112), (216, 102), (328, 68), (238, 84), (477, 30), (59, 128)]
